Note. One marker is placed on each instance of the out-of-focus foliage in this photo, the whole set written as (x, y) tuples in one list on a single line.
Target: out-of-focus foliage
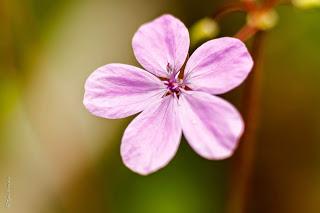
[(204, 29), (306, 4), (62, 159)]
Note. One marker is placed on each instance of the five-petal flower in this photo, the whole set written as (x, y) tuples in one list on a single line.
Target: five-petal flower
[(175, 94)]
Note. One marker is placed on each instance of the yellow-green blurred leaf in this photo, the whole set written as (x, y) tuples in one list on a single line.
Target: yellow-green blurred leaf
[(306, 4), (202, 30)]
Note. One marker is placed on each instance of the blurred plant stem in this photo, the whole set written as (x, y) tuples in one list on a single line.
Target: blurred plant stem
[(228, 8), (246, 32), (7, 55), (243, 161)]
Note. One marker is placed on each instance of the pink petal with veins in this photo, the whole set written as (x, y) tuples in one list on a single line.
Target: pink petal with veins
[(211, 125), (152, 138), (119, 90), (218, 66), (161, 45)]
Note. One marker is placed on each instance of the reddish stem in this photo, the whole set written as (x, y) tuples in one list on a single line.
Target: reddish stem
[(246, 32), (227, 9), (270, 4), (250, 4), (243, 160)]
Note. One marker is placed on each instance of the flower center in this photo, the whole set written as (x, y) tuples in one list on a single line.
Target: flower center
[(174, 85)]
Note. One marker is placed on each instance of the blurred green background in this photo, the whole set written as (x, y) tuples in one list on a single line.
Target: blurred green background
[(62, 159)]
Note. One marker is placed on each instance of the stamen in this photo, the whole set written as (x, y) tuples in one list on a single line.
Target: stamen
[(169, 68), (174, 85)]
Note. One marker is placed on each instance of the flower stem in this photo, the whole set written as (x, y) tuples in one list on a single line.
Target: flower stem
[(227, 9), (245, 33), (242, 166), (8, 59), (271, 3)]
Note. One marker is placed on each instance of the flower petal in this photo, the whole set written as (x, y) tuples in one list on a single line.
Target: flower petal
[(162, 42), (211, 125), (119, 90), (152, 138), (218, 66)]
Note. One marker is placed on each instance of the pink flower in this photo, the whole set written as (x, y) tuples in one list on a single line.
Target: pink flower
[(171, 105)]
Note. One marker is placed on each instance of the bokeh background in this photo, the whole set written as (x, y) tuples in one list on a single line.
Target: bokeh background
[(61, 159)]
